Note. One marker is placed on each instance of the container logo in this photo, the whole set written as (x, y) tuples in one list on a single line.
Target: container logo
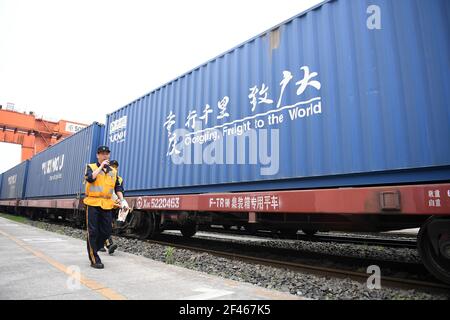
[(12, 180), (73, 127), (118, 130), (53, 167), (253, 139)]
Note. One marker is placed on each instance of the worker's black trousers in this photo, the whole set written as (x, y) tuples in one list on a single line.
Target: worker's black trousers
[(99, 229), (109, 242)]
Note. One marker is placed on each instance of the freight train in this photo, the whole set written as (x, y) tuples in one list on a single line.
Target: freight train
[(337, 119)]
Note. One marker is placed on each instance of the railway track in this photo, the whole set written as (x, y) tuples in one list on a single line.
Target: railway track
[(385, 241), (311, 266), (368, 241)]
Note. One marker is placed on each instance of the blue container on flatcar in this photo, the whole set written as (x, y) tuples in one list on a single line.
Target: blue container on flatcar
[(1, 181), (58, 172), (348, 93), (13, 183)]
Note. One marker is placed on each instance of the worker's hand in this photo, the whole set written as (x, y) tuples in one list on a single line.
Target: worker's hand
[(117, 203), (104, 164), (124, 204)]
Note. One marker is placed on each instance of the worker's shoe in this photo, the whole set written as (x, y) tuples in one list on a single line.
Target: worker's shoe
[(97, 265), (102, 249), (112, 248)]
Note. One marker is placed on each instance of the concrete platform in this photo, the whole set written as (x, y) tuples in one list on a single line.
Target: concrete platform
[(37, 264)]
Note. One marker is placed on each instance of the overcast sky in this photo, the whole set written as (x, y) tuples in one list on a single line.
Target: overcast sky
[(79, 60)]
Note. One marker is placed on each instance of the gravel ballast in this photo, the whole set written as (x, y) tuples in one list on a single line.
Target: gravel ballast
[(302, 284)]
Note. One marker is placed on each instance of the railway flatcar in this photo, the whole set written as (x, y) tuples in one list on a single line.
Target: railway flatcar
[(337, 119)]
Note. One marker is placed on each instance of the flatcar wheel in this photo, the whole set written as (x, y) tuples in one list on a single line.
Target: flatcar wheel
[(189, 230), (436, 260), (146, 226), (34, 215), (251, 228), (289, 233)]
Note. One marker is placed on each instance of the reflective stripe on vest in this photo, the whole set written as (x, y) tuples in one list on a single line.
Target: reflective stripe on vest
[(96, 189)]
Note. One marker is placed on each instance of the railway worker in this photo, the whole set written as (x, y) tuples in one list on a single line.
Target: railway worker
[(101, 183), (109, 244), (120, 205)]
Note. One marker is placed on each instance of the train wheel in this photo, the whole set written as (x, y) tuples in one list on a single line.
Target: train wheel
[(34, 215), (289, 233), (189, 230), (433, 244), (251, 228), (146, 227), (310, 232)]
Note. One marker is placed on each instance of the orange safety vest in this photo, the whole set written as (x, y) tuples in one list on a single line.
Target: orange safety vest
[(99, 193)]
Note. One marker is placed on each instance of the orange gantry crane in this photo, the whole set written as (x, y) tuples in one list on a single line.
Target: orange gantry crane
[(33, 134)]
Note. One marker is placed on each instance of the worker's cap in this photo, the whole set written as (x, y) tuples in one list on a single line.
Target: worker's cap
[(114, 163), (103, 149)]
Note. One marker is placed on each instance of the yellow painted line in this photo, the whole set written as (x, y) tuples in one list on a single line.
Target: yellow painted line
[(89, 283)]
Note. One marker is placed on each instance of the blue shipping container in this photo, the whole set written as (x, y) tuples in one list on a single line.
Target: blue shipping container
[(13, 182), (349, 93), (1, 181), (59, 170)]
